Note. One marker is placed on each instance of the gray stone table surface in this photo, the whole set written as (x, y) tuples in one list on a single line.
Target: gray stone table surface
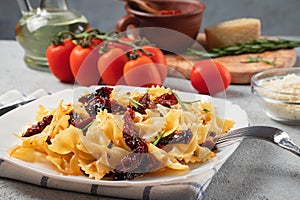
[(256, 170)]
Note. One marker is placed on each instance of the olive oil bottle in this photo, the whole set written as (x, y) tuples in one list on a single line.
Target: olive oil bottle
[(37, 26)]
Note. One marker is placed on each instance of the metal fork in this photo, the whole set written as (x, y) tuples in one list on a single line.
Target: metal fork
[(270, 134)]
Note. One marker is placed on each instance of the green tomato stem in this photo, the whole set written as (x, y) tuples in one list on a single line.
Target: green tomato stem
[(85, 38)]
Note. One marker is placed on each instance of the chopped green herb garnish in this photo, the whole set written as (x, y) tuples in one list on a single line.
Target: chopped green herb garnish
[(135, 103), (87, 126), (206, 110), (178, 99), (191, 102), (183, 102), (155, 142)]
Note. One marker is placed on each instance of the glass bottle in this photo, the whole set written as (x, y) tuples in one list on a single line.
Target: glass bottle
[(37, 26)]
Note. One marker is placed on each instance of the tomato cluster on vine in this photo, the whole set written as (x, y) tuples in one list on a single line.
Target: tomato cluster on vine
[(93, 57)]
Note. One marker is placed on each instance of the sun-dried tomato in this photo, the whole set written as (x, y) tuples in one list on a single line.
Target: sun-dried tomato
[(177, 137), (135, 165), (97, 104), (131, 136), (75, 118), (39, 127), (166, 100), (139, 161), (116, 108), (145, 102), (97, 101), (101, 92), (210, 145)]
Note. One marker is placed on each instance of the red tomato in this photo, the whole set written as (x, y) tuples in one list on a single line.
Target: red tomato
[(210, 77), (110, 66), (83, 63), (141, 72), (159, 59), (58, 60)]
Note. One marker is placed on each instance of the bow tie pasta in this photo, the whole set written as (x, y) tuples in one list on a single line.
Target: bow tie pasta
[(117, 135)]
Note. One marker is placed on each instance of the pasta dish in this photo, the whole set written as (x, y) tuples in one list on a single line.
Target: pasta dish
[(116, 135)]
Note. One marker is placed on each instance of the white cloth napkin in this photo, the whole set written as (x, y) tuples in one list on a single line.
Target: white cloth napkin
[(190, 188), (15, 96)]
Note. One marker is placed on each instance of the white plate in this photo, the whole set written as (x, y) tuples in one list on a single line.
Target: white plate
[(13, 121)]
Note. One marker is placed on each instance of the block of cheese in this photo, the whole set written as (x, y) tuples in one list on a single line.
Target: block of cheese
[(232, 32)]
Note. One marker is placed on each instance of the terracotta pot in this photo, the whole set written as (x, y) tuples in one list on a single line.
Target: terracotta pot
[(172, 33)]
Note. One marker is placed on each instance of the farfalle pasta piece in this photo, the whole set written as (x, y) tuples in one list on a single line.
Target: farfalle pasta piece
[(166, 159), (78, 108), (94, 170), (64, 153), (112, 127), (107, 155), (150, 128), (201, 154), (224, 124), (65, 142), (202, 132), (28, 154), (66, 164), (156, 91), (36, 143), (102, 148), (172, 121), (41, 112), (60, 119), (182, 151)]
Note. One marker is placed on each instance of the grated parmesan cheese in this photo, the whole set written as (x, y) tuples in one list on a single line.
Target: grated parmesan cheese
[(283, 89), (288, 84)]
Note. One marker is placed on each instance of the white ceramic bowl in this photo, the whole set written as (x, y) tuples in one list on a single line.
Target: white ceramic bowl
[(278, 92)]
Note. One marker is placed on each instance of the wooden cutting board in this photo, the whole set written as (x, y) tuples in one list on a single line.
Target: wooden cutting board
[(241, 72)]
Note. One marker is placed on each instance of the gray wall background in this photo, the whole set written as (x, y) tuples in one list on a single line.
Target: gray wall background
[(278, 17)]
